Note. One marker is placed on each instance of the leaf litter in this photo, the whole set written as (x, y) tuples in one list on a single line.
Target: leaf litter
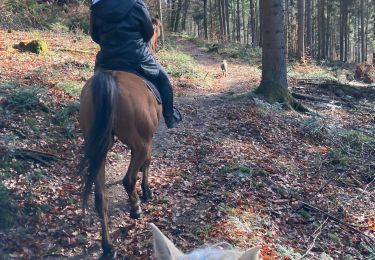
[(235, 170)]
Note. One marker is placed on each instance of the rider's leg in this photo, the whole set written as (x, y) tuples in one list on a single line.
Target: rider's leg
[(165, 88)]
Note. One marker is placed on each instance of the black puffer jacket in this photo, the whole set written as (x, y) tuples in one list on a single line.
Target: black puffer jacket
[(123, 29)]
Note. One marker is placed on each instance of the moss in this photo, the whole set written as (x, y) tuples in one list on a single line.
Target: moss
[(38, 47), (273, 92), (35, 46)]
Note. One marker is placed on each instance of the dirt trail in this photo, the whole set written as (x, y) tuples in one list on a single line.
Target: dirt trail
[(241, 77)]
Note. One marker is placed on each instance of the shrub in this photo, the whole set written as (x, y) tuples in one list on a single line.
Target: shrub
[(59, 15), (20, 99)]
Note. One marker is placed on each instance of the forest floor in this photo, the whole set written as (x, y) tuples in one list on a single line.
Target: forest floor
[(237, 169)]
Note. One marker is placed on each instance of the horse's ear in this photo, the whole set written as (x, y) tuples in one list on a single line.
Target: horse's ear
[(164, 249), (252, 254)]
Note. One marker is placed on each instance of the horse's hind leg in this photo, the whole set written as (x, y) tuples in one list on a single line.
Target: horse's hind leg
[(146, 191), (101, 204), (138, 158)]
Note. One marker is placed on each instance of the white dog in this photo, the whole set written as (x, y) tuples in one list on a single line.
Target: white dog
[(224, 67)]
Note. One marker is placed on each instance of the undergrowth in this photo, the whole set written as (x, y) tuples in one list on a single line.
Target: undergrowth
[(181, 65), (18, 14), (18, 98)]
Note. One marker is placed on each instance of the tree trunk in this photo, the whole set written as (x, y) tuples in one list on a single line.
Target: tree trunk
[(220, 20), (301, 31), (178, 16), (160, 13), (363, 34), (238, 22), (211, 22), (186, 8), (243, 21), (260, 23), (345, 30), (308, 28), (327, 36), (321, 30), (373, 36), (227, 19), (253, 25), (205, 19), (286, 29), (274, 84), (172, 20)]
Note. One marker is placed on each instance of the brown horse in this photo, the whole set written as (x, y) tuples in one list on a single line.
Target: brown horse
[(116, 103)]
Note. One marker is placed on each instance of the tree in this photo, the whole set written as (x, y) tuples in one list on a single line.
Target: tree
[(205, 24), (274, 84), (160, 14), (308, 27), (301, 30)]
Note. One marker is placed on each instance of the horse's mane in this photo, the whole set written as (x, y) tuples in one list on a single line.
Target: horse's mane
[(165, 249), (154, 39), (214, 252)]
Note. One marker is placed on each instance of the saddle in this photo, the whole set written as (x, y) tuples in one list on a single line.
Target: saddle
[(153, 89), (176, 113)]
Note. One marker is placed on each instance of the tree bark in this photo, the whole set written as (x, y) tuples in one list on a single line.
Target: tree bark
[(274, 84), (301, 31), (308, 28), (205, 19), (218, 2), (178, 15), (363, 34), (373, 36), (186, 8), (243, 21), (260, 43), (253, 25), (238, 21), (227, 19), (160, 13)]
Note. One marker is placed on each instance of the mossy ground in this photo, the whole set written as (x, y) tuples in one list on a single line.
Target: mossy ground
[(273, 92)]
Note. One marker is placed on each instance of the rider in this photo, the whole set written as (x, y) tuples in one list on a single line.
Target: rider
[(123, 29)]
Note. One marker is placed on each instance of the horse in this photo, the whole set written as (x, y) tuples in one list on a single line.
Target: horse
[(165, 249), (153, 44), (117, 103)]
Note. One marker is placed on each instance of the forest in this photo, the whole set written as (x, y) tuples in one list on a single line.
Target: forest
[(276, 148)]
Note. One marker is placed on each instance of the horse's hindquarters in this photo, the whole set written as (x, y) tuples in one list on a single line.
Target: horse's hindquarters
[(138, 112)]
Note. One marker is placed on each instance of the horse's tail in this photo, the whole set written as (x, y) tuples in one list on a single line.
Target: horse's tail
[(104, 95)]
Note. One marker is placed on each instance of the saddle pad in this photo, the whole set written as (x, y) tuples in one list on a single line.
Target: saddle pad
[(153, 89)]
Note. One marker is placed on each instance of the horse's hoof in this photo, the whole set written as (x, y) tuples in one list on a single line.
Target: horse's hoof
[(135, 214), (110, 255), (147, 196)]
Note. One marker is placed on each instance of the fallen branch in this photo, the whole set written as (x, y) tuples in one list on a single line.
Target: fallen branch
[(309, 97), (23, 153), (306, 205), (77, 51), (317, 233)]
